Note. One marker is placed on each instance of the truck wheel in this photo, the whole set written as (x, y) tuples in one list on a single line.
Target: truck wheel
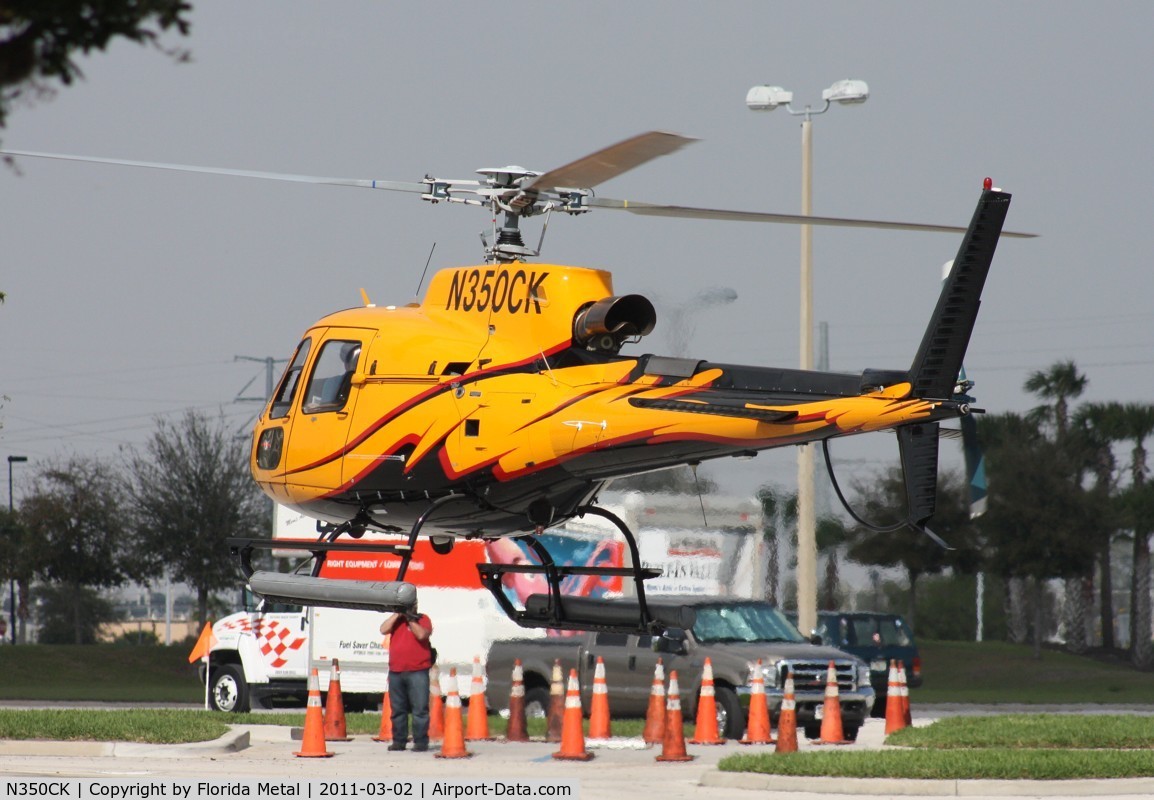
[(536, 702), (228, 690), (813, 731), (730, 717)]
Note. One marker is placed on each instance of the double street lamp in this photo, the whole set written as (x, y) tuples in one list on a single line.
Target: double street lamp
[(12, 555), (768, 98)]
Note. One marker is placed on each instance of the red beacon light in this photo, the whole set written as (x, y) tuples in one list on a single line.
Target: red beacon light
[(988, 184)]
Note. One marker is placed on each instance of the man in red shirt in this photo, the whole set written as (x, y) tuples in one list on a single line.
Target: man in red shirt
[(410, 658)]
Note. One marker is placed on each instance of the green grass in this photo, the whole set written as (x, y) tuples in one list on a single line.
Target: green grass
[(171, 726), (1010, 747), (997, 672), (993, 764), (955, 672), (154, 726), (1036, 731), (110, 673)]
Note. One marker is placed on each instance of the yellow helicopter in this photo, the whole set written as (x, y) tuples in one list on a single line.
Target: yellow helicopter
[(501, 404)]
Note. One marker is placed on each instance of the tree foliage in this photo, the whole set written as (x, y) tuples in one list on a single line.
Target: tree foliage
[(190, 491), (1041, 522), (62, 611), (882, 503), (1061, 382), (17, 565), (40, 39), (78, 534)]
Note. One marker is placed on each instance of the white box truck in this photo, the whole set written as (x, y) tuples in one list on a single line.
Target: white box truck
[(267, 651)]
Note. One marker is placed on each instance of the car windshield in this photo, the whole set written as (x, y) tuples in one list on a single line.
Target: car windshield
[(747, 622), (882, 631)]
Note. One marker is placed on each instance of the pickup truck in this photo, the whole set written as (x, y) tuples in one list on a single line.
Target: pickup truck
[(732, 633)]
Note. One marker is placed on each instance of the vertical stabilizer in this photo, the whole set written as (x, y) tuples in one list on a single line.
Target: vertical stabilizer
[(934, 372)]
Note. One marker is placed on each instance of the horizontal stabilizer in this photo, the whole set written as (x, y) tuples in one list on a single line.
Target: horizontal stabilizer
[(307, 590)]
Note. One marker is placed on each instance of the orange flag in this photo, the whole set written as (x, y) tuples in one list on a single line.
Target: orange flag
[(203, 644)]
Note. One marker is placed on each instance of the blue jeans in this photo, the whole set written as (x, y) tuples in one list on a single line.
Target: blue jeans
[(409, 694)]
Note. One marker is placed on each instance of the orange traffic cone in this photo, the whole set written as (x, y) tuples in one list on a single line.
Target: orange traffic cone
[(895, 713), (757, 729), (336, 729), (654, 732), (436, 706), (599, 726), (705, 731), (831, 727), (787, 719), (478, 727), (517, 730), (572, 737), (313, 743), (453, 744), (905, 692), (673, 742), (386, 732), (554, 721)]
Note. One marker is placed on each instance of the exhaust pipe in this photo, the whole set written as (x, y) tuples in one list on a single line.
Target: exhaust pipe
[(605, 325)]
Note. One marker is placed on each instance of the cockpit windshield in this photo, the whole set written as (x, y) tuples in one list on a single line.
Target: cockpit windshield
[(287, 388), (743, 622)]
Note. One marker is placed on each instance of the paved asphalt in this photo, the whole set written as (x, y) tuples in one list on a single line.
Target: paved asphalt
[(618, 770)]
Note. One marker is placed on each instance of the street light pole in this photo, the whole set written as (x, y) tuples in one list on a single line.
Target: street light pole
[(767, 98), (806, 512), (12, 555)]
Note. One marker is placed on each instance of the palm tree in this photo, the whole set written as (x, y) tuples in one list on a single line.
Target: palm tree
[(1138, 422), (1098, 427), (831, 535), (1041, 522), (779, 512), (1060, 383)]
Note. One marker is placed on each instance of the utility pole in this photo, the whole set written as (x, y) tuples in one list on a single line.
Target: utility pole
[(269, 364)]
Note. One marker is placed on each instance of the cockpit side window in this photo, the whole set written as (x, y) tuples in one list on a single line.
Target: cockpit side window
[(332, 376), (287, 388)]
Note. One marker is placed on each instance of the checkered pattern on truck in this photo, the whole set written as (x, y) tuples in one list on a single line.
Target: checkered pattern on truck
[(810, 676), (274, 639)]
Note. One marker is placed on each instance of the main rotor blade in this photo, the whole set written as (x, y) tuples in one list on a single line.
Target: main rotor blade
[(395, 186), (595, 168), (689, 212)]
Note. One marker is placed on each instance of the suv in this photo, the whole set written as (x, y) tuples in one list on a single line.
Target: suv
[(877, 639)]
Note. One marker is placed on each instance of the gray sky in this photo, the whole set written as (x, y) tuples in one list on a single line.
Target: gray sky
[(130, 291)]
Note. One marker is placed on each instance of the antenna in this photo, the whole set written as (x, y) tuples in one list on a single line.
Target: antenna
[(421, 282)]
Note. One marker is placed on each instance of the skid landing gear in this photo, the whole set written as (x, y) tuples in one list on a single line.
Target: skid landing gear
[(313, 590), (560, 612), (550, 609)]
